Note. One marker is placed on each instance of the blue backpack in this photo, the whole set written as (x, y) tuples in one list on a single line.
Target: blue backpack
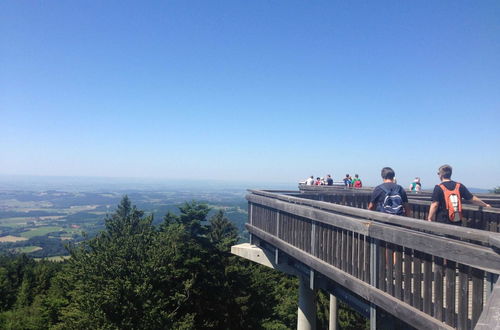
[(392, 203)]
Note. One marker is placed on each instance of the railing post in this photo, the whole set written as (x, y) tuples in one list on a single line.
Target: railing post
[(373, 279)]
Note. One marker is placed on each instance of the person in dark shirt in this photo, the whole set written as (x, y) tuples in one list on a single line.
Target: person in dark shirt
[(329, 180), (347, 181), (380, 193), (438, 211)]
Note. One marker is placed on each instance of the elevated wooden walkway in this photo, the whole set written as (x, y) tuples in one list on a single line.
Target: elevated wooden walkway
[(429, 275)]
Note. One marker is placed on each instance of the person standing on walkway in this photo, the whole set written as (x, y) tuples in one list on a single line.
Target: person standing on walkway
[(347, 182), (389, 197), (416, 186), (446, 206), (356, 182), (329, 180), (310, 181)]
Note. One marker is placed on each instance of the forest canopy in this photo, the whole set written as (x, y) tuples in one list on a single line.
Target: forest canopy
[(135, 275)]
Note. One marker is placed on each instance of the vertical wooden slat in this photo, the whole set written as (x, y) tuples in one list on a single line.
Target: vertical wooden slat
[(477, 294), (367, 260), (338, 253), (390, 268), (328, 245), (417, 280), (349, 251), (463, 296), (307, 227), (284, 228), (427, 287), (300, 235), (407, 275), (324, 241), (319, 238), (438, 288), (361, 257), (308, 224), (355, 246), (382, 267), (344, 250), (332, 245), (450, 292), (280, 226), (285, 222), (398, 273)]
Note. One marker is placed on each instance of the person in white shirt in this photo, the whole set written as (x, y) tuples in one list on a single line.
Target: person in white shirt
[(310, 181)]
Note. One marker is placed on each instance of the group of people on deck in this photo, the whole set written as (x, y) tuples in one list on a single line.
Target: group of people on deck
[(446, 201), (319, 181), (348, 181)]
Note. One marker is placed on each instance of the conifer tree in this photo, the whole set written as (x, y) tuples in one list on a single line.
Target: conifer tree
[(222, 232)]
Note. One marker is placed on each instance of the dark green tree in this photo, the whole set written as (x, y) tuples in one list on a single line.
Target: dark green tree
[(222, 233), (133, 276)]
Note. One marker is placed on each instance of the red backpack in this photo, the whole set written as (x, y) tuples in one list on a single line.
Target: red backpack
[(358, 184), (453, 202)]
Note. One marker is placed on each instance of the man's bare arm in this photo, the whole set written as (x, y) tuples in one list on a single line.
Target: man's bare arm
[(475, 200), (432, 211), (371, 206)]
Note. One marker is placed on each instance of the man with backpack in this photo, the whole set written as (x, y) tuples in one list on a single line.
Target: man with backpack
[(446, 206), (389, 197)]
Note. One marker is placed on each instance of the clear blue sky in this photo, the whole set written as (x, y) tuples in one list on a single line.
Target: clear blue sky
[(250, 90)]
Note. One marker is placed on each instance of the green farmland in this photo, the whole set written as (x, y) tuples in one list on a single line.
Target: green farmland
[(41, 231), (27, 249)]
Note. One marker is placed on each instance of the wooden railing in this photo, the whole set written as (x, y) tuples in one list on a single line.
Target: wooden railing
[(473, 216), (493, 199), (427, 274)]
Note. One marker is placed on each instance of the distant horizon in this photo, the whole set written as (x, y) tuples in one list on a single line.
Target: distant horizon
[(148, 183), (129, 182)]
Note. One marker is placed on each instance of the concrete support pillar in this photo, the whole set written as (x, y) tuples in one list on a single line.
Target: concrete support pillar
[(333, 313), (306, 318)]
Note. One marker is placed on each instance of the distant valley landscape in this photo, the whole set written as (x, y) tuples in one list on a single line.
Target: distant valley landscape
[(42, 223)]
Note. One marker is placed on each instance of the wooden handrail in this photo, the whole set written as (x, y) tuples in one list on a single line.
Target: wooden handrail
[(493, 199), (430, 227)]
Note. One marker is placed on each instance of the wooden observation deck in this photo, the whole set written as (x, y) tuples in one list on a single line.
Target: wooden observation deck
[(426, 274)]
